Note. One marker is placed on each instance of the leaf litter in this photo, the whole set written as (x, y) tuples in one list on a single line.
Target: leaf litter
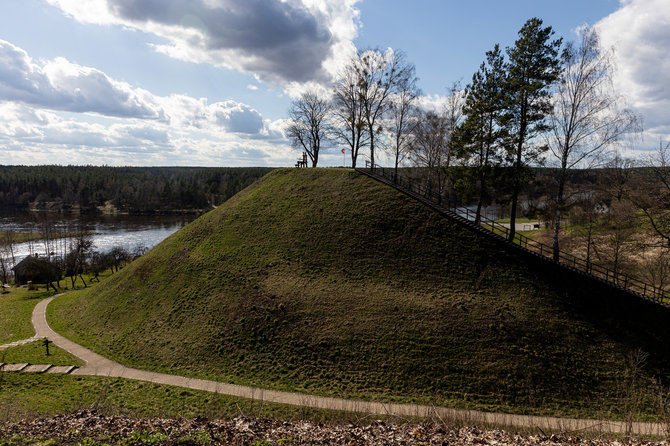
[(88, 427)]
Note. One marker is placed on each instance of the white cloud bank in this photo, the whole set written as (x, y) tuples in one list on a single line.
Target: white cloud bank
[(126, 125), (639, 32), (61, 85), (278, 41)]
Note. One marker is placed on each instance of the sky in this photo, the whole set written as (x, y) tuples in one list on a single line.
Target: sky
[(209, 82)]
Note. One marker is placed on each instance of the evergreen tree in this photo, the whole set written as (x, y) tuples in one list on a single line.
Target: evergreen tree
[(533, 67), (478, 138)]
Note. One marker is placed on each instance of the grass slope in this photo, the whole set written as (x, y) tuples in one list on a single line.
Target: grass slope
[(35, 353), (327, 281), (28, 395)]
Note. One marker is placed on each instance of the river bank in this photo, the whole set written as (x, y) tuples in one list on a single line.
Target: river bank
[(44, 233)]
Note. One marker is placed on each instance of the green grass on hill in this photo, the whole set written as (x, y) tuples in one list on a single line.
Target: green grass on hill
[(35, 353), (326, 281), (27, 395)]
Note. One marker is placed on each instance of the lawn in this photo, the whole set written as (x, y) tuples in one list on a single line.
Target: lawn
[(16, 307), (35, 353), (26, 395)]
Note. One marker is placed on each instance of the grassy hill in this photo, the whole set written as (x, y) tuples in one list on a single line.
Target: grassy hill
[(329, 282)]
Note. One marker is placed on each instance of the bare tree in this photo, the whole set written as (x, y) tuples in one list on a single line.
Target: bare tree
[(430, 149), (75, 260), (403, 117), (585, 215), (8, 241), (378, 76), (453, 117), (614, 246), (4, 264), (656, 266), (7, 258), (349, 124), (587, 116), (617, 248), (653, 198), (118, 255), (308, 128)]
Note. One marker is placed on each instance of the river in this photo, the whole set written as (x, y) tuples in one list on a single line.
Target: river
[(108, 231)]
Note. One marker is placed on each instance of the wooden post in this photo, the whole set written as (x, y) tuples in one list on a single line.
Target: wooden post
[(46, 343)]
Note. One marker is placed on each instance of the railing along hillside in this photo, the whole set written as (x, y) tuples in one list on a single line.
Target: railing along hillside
[(417, 188)]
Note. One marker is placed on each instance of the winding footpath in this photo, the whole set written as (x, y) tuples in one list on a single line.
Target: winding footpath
[(97, 365)]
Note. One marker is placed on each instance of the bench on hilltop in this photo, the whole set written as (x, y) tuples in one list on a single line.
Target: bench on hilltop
[(302, 162)]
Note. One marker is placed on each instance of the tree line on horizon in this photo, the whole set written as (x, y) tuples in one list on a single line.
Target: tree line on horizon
[(134, 190), (538, 102)]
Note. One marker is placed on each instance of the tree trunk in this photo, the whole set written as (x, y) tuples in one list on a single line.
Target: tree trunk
[(588, 251), (482, 196), (517, 168), (372, 147), (395, 170), (478, 214), (512, 217), (557, 218)]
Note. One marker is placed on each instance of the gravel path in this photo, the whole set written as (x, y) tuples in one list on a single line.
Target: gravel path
[(101, 366)]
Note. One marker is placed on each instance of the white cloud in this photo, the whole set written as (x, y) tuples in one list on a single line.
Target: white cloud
[(639, 32), (59, 112), (30, 136), (435, 103), (61, 85), (279, 41)]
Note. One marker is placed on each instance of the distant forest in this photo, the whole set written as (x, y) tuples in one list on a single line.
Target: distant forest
[(134, 190)]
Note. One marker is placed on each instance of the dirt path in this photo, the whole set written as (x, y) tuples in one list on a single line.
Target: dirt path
[(101, 366)]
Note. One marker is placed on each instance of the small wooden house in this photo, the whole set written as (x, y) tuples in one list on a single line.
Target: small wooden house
[(35, 269)]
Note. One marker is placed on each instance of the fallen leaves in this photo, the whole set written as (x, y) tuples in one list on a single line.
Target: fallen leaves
[(90, 427)]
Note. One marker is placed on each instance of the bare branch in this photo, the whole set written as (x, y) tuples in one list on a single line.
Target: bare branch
[(308, 128)]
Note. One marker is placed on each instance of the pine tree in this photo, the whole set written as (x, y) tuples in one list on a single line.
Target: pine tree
[(478, 138), (533, 67)]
